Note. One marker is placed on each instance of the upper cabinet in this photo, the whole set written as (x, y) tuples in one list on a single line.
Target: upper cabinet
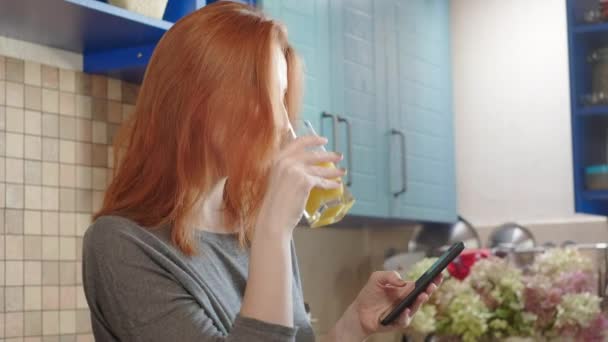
[(378, 85)]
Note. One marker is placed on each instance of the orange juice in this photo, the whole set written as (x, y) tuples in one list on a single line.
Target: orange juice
[(325, 207)]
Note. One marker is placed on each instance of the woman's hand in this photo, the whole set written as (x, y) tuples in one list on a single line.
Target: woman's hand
[(294, 173), (382, 292)]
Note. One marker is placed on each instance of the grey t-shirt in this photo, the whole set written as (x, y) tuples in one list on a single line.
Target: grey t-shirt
[(141, 288)]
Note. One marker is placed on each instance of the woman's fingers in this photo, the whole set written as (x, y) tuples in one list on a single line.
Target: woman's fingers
[(327, 172), (325, 183), (422, 298), (303, 142)]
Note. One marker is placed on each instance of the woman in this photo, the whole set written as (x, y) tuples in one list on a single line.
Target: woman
[(194, 239)]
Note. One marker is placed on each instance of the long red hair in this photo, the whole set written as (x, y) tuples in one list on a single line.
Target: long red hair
[(204, 111)]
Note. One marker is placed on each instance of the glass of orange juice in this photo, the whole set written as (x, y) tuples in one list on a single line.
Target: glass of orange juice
[(324, 207)]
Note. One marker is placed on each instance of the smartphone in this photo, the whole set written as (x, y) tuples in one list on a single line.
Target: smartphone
[(424, 281)]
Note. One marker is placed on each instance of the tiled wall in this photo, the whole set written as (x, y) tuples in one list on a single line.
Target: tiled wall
[(55, 130)]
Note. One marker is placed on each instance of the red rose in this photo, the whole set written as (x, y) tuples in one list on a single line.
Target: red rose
[(461, 266)]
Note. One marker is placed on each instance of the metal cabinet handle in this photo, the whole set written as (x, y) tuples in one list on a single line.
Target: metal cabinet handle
[(334, 128), (349, 149), (403, 163)]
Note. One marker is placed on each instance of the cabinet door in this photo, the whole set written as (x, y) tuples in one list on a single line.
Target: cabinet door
[(357, 96), (307, 26), (420, 107)]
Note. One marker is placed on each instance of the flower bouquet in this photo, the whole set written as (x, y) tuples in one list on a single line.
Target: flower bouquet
[(484, 298)]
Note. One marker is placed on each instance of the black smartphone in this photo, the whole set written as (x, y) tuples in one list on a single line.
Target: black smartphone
[(424, 281)]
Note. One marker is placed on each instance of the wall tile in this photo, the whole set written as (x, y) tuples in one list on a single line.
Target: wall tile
[(84, 154), (83, 321), (14, 247), (15, 94), (50, 149), (85, 338), (15, 120), (97, 200), (33, 97), (67, 297), (84, 106), (67, 275), (67, 224), (50, 323), (83, 83), (129, 92), (15, 70), (100, 109), (2, 76), (67, 151), (79, 248), (84, 200), (2, 230), (114, 89), (50, 248), (112, 130), (50, 198), (67, 80), (33, 323), (15, 170), (32, 223), (33, 147), (2, 257), (50, 226), (32, 339), (2, 306), (100, 86), (33, 122), (114, 112), (67, 200), (67, 103), (67, 127), (2, 115), (2, 143), (84, 130), (50, 101), (82, 223), (14, 145), (2, 169), (13, 221), (33, 172), (2, 93), (50, 273), (50, 297), (50, 125), (14, 273), (33, 298), (14, 196), (67, 322), (13, 324), (32, 247), (33, 272), (13, 298), (50, 77), (84, 176), (33, 73), (50, 173), (67, 248), (67, 175), (99, 178), (33, 197), (127, 111), (100, 155)]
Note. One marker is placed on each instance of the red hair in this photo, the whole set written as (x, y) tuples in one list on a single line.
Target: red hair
[(204, 111)]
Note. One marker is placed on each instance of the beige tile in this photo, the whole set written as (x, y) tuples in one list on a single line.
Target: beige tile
[(129, 92), (50, 174), (67, 321), (81, 300), (14, 247), (114, 89), (14, 145), (67, 151), (110, 157), (84, 106), (33, 339), (15, 120), (100, 155), (14, 196), (67, 248), (32, 247), (84, 153), (114, 112), (67, 274), (14, 70), (2, 76), (33, 97), (50, 225), (84, 200), (50, 149), (2, 92), (50, 323), (127, 111), (50, 298), (2, 198), (2, 305), (67, 200), (33, 197), (15, 94), (33, 73), (13, 298), (67, 297), (13, 324), (2, 268), (67, 103), (97, 200), (82, 223), (83, 321), (84, 176), (67, 80), (33, 122), (99, 178), (79, 248), (99, 86), (83, 83), (67, 224), (14, 170), (33, 172), (13, 221), (14, 273), (33, 147), (50, 198), (50, 77), (112, 130), (50, 273), (67, 127), (33, 323), (33, 298), (50, 125), (2, 116), (84, 130), (2, 169), (67, 175), (33, 273), (85, 338), (2, 143), (79, 278), (50, 101), (100, 109), (32, 223)]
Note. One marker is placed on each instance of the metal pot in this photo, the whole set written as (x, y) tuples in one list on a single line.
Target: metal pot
[(510, 236), (434, 238)]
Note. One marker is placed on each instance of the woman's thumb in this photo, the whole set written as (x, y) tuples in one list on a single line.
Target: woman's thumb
[(388, 278)]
